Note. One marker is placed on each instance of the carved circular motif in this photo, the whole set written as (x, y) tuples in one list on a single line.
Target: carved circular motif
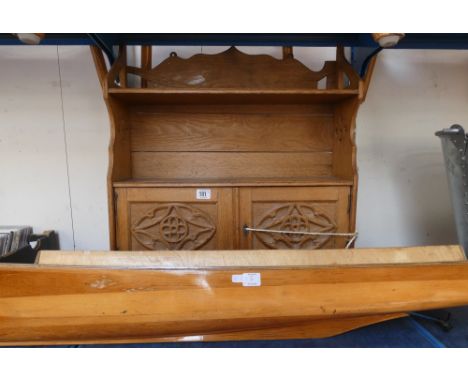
[(173, 226), (295, 223), (294, 217), (173, 229)]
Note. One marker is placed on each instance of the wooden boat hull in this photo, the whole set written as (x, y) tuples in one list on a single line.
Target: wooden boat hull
[(45, 305)]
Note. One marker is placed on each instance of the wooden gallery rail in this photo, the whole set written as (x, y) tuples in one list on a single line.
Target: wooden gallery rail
[(123, 297)]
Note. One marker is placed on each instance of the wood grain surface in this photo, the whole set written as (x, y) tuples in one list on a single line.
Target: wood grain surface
[(147, 165), (253, 258), (231, 132), (56, 304), (233, 69), (231, 120)]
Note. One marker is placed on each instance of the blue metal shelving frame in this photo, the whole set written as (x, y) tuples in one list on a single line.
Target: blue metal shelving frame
[(362, 45), (411, 41)]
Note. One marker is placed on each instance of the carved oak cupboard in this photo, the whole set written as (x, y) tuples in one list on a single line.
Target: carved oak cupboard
[(231, 151), (294, 209), (172, 218)]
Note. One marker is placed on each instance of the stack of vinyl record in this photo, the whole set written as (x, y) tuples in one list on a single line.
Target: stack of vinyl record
[(13, 238)]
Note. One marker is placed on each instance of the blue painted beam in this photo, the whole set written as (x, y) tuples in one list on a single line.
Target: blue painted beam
[(411, 41), (187, 39), (51, 39), (244, 39)]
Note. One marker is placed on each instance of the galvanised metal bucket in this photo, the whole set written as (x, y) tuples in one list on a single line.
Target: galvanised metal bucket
[(454, 146)]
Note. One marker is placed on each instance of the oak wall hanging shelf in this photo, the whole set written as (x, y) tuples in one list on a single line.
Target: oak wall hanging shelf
[(206, 150)]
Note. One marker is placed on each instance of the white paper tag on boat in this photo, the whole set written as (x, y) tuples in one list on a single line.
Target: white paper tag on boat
[(248, 279), (204, 193)]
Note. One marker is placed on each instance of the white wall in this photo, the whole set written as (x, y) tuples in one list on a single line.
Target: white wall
[(403, 196), (52, 112), (37, 138)]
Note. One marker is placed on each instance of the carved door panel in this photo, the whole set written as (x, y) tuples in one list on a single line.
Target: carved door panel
[(293, 209), (174, 218)]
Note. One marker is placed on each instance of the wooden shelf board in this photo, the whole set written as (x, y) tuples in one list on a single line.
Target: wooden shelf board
[(255, 258), (257, 182), (223, 96)]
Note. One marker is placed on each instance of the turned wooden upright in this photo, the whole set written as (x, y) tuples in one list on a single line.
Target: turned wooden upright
[(202, 147)]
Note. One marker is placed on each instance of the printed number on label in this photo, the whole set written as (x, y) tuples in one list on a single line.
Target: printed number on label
[(204, 193)]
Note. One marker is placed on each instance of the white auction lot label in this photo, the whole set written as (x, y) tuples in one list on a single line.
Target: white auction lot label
[(204, 193), (248, 279)]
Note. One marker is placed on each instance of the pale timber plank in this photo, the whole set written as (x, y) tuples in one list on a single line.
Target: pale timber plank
[(254, 258)]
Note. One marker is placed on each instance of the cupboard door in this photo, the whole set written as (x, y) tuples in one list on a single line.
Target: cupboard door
[(293, 209), (174, 218)]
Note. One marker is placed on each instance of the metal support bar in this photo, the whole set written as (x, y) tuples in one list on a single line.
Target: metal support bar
[(367, 60), (443, 322), (352, 236), (106, 48)]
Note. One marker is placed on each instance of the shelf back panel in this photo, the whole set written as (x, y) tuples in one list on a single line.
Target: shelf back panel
[(234, 141), (231, 130)]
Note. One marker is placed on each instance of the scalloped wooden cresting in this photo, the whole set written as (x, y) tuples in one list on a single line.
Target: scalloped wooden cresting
[(234, 69)]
